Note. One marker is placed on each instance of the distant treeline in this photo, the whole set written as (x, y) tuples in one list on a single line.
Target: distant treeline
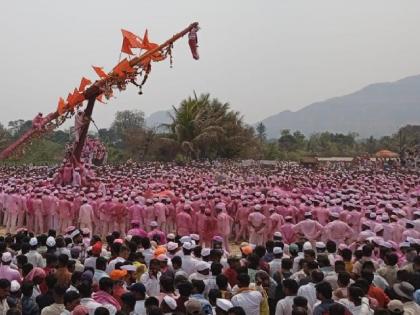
[(202, 128)]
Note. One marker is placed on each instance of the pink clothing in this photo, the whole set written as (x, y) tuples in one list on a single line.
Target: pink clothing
[(184, 223), (224, 222), (337, 231), (10, 274), (311, 229)]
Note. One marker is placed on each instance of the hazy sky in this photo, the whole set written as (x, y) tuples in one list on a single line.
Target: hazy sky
[(260, 56)]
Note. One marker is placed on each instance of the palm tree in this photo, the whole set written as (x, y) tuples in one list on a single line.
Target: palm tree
[(203, 127)]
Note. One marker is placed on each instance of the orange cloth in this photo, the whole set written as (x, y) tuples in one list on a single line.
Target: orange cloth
[(117, 274), (61, 108), (101, 73), (123, 68), (130, 40), (83, 83)]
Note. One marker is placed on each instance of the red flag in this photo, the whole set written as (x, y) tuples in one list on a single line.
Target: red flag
[(126, 47), (61, 106), (123, 68), (83, 83), (100, 72), (99, 98), (134, 40), (146, 43)]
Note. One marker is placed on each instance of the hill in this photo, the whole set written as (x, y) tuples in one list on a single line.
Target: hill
[(376, 110)]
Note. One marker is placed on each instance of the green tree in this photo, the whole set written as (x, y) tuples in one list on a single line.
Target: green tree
[(261, 132)]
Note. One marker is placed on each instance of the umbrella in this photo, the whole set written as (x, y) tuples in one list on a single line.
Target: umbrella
[(386, 154)]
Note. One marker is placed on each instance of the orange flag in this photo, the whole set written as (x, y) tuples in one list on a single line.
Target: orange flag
[(100, 72), (126, 47), (83, 84), (146, 43), (99, 98), (61, 106), (130, 40), (123, 68)]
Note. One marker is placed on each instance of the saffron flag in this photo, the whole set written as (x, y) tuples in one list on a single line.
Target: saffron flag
[(146, 43), (61, 108), (130, 40), (83, 84), (99, 98), (123, 68), (101, 73)]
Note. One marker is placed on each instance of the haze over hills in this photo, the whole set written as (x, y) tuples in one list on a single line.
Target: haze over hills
[(376, 110)]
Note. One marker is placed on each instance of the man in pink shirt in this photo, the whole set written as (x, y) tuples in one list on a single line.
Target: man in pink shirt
[(86, 216), (275, 221), (337, 230), (105, 215), (135, 212), (287, 230), (149, 214), (65, 207), (257, 226), (184, 222), (5, 271), (224, 224), (160, 214), (156, 234), (310, 229), (242, 218), (136, 230)]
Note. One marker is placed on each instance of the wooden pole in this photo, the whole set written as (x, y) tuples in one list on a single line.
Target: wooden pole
[(90, 94)]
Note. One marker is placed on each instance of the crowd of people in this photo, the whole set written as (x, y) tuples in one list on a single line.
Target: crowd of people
[(202, 239)]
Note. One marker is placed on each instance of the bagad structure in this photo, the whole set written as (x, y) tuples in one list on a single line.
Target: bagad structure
[(128, 70)]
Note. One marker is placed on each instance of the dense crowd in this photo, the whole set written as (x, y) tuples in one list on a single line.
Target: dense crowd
[(157, 238)]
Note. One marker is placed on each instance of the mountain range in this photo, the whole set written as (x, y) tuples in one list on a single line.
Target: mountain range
[(377, 110)]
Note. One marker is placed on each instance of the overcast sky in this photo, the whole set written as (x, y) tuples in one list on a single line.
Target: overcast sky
[(260, 56)]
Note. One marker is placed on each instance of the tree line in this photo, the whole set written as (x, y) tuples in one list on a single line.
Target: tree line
[(202, 127)]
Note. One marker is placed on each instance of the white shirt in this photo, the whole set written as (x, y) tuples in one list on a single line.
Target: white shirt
[(90, 304), (275, 265), (139, 308), (35, 259), (249, 300), (151, 284), (309, 292), (284, 306), (112, 263), (362, 309), (91, 262), (189, 264)]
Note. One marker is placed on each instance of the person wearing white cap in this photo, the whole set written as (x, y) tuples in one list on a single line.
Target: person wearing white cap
[(168, 305), (275, 264), (86, 216), (249, 300), (309, 228), (189, 263), (184, 221), (6, 272), (337, 230), (223, 306), (34, 257), (202, 273), (156, 233)]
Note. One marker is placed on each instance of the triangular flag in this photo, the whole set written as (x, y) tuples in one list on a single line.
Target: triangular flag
[(123, 68), (83, 84), (146, 43), (134, 40), (126, 47), (100, 72), (99, 98), (61, 106)]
